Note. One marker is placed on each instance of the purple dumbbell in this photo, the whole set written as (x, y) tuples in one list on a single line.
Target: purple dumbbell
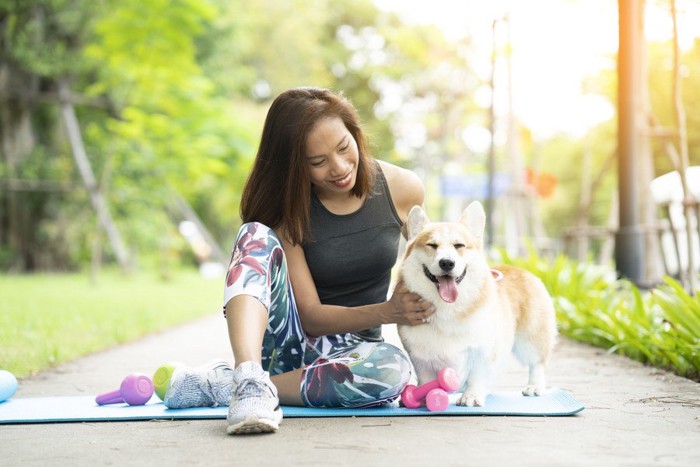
[(433, 392), (136, 389)]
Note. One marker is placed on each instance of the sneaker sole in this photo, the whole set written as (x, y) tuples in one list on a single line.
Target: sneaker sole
[(252, 424)]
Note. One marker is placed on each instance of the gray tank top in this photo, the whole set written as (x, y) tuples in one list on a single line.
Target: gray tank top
[(351, 256)]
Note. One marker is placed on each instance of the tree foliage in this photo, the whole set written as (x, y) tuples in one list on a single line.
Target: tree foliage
[(171, 94)]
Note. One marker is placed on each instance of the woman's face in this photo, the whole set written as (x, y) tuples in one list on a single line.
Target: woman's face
[(332, 155)]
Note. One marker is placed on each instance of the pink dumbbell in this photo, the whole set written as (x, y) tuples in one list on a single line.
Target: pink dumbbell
[(433, 392), (136, 389)]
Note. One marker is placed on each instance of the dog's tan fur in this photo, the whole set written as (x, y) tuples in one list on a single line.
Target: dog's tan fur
[(483, 319)]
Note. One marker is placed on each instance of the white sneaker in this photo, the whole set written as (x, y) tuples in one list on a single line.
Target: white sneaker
[(255, 406), (208, 386)]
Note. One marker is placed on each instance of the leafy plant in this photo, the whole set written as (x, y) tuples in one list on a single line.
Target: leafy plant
[(660, 327)]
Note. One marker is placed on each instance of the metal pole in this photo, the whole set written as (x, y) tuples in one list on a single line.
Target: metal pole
[(491, 167), (629, 241)]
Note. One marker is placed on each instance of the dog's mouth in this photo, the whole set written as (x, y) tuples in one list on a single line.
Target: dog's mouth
[(446, 285)]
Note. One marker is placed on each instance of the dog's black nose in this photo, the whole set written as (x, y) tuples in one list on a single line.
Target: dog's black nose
[(446, 264)]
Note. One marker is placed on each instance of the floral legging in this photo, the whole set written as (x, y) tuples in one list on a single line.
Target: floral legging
[(341, 370)]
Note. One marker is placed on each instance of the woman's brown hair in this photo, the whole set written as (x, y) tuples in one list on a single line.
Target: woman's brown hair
[(278, 190)]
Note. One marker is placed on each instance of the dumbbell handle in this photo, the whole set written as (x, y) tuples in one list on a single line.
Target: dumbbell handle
[(112, 397)]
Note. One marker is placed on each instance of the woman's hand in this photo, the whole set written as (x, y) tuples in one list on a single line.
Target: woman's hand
[(408, 308)]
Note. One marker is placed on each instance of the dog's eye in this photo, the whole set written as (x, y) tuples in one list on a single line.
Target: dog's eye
[(458, 246), (432, 245)]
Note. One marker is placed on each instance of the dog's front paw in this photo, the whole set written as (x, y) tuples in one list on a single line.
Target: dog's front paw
[(472, 399), (531, 390)]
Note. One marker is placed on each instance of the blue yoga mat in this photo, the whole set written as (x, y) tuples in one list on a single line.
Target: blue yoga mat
[(555, 403)]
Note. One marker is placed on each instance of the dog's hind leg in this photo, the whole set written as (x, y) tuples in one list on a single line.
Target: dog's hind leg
[(528, 354), (536, 381)]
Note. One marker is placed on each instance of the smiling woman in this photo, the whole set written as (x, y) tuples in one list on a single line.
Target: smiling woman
[(306, 293)]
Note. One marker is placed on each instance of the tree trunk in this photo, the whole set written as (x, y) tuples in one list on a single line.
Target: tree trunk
[(85, 169), (17, 140)]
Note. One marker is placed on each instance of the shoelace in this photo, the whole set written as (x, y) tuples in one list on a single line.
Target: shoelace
[(251, 388), (218, 384), (217, 373)]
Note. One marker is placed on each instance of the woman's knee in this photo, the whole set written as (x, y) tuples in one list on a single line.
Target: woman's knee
[(392, 363), (369, 374), (256, 249), (250, 230)]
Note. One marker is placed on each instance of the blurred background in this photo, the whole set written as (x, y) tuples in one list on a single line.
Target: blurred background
[(128, 128)]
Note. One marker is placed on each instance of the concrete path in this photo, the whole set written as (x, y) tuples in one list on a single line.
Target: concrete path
[(635, 416)]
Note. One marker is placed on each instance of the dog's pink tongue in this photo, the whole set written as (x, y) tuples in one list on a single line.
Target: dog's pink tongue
[(447, 288)]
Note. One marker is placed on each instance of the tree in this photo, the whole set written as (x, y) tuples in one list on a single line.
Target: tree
[(170, 96), (38, 42)]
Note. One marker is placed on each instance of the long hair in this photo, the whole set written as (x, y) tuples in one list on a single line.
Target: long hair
[(278, 190)]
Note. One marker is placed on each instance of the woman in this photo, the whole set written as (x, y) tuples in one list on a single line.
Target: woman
[(306, 291)]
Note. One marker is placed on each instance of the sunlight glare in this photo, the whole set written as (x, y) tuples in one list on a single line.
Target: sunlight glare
[(555, 46)]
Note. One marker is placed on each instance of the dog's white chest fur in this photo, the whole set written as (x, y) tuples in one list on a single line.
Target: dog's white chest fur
[(451, 340)]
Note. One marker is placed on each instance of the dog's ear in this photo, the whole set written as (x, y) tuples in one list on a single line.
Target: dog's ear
[(416, 221), (474, 218)]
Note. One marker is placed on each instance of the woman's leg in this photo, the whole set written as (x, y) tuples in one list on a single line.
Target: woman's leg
[(264, 329), (246, 328), (263, 324), (356, 374), (263, 321), (246, 321)]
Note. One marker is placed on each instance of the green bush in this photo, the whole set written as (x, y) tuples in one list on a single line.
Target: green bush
[(660, 327)]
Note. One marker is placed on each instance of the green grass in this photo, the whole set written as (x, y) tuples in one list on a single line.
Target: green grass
[(660, 327), (48, 319)]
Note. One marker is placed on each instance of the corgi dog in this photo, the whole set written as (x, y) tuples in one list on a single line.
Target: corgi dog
[(481, 315)]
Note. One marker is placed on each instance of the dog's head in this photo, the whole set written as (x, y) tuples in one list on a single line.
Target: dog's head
[(444, 252)]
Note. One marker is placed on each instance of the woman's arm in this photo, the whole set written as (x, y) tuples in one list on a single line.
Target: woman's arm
[(404, 308), (318, 319)]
